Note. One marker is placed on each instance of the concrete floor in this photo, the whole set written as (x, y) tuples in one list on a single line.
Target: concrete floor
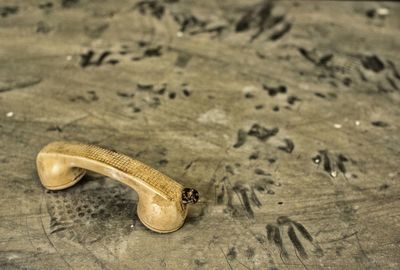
[(284, 115)]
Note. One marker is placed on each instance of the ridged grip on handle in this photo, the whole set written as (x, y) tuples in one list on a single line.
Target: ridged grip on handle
[(160, 207)]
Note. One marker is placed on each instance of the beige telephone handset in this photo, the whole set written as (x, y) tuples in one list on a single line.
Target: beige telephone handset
[(162, 205)]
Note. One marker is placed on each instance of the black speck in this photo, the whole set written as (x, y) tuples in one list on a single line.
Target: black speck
[(93, 95), (271, 160), (182, 60), (142, 43), (283, 220), (199, 263), (86, 58), (370, 13), (327, 161), (333, 83), (274, 234), (296, 242), (78, 98), (341, 159), (379, 124), (392, 83), (231, 253), (306, 54), (273, 91), (155, 8), (275, 108), (102, 57), (373, 63), (54, 128), (46, 5), (124, 94), (254, 156), (188, 21), (113, 61), (332, 95), (241, 138), (260, 55), (325, 59), (242, 25), (186, 92), (163, 162), (250, 252), (347, 81), (249, 95), (262, 133), (145, 87), (281, 32), (261, 172), (259, 107), (289, 146), (229, 169), (42, 27), (187, 167), (304, 232), (162, 90), (155, 102), (69, 3), (292, 100), (153, 52), (270, 232), (393, 67), (172, 95), (383, 187), (242, 191), (220, 196)]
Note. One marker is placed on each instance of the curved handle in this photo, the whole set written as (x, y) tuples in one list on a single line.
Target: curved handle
[(162, 205)]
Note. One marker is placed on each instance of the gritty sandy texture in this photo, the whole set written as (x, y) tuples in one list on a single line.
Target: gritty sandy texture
[(285, 116)]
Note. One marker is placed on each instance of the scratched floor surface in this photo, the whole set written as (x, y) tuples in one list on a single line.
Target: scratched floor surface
[(284, 115)]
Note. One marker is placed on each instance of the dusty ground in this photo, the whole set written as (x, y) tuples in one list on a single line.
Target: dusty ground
[(285, 116)]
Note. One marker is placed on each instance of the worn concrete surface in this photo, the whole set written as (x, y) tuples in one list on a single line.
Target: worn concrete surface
[(285, 116)]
